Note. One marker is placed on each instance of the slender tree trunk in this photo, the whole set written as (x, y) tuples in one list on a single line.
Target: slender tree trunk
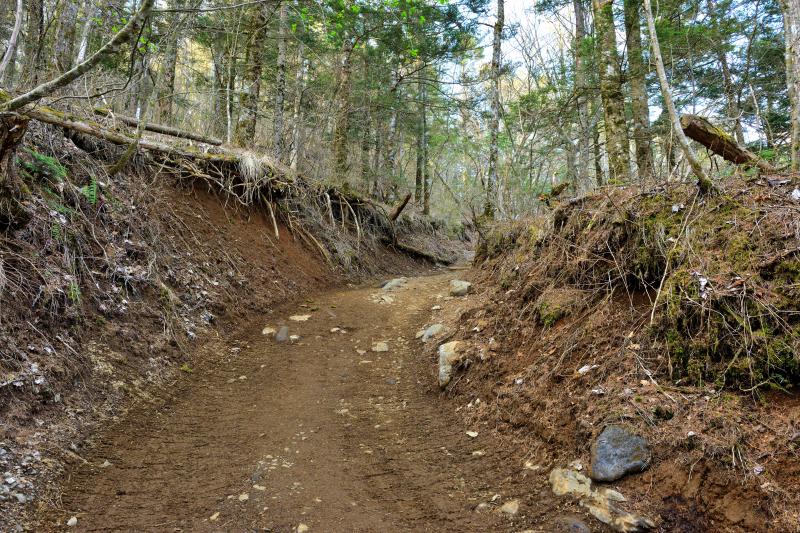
[(582, 53), (637, 72), (366, 141), (494, 125), (245, 133), (170, 63), (11, 52), (616, 130), (280, 84), (391, 136), (34, 35), (65, 36), (426, 179), (89, 11), (297, 112), (419, 174), (791, 26), (704, 183), (342, 124)]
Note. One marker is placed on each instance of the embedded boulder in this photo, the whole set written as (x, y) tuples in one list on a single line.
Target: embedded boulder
[(617, 452)]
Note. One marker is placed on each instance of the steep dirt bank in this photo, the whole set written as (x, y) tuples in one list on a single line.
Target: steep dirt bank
[(661, 312), (112, 286)]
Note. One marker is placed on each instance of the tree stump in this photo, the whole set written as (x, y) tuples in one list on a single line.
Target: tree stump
[(12, 130)]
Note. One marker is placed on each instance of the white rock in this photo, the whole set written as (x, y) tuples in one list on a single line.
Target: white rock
[(436, 308), (431, 332), (214, 517), (243, 497), (510, 508), (72, 522), (380, 347), (450, 353), (472, 434), (299, 318), (394, 284), (302, 528), (460, 287), (269, 330)]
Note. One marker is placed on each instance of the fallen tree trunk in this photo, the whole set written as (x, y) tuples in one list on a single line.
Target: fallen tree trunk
[(160, 128), (399, 209), (719, 142)]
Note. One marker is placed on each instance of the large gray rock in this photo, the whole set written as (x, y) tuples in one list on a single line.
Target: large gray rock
[(432, 331), (459, 287), (283, 334), (450, 353), (395, 283), (618, 452)]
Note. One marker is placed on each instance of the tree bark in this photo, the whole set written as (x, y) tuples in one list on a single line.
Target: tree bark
[(719, 142), (616, 131), (170, 64), (245, 133), (791, 26), (79, 70), (703, 181), (581, 57), (65, 35), (33, 41), (280, 84), (11, 51), (399, 208), (342, 125), (637, 71), (88, 17), (490, 205), (12, 130), (298, 127)]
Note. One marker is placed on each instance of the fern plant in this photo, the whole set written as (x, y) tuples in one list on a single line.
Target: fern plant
[(74, 292), (89, 191), (43, 166)]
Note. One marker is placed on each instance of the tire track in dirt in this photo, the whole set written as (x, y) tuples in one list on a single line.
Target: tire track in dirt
[(322, 432)]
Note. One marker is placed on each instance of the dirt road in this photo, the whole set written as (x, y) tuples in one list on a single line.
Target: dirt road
[(321, 433)]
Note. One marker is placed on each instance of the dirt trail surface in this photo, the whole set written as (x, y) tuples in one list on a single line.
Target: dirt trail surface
[(322, 432)]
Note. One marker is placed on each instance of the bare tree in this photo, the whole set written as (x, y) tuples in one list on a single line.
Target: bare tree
[(494, 126), (11, 51)]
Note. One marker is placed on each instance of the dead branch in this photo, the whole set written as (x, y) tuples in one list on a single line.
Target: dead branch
[(160, 128), (719, 142)]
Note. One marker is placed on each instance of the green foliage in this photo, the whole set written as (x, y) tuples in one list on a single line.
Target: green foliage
[(43, 167), (74, 292), (89, 191)]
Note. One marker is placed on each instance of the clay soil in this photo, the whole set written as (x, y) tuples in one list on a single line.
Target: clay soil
[(323, 431)]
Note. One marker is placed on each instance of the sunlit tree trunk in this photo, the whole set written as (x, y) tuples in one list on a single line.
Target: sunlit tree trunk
[(637, 72), (170, 63), (419, 174), (582, 55), (494, 125), (280, 84), (616, 131), (251, 82), (10, 56), (89, 11), (791, 26)]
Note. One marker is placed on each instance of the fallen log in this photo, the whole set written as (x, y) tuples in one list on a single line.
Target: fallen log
[(416, 252), (159, 128), (399, 209), (721, 143)]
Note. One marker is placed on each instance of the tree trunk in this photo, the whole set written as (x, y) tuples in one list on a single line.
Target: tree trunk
[(426, 179), (637, 73), (170, 63), (89, 11), (12, 130), (703, 182), (791, 26), (11, 52), (297, 113), (245, 133), (34, 35), (581, 57), (616, 131), (65, 36), (280, 83), (342, 124), (494, 125), (719, 142)]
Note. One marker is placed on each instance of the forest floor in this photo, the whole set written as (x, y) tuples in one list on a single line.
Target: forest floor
[(323, 432)]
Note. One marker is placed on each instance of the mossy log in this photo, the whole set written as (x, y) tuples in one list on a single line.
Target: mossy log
[(160, 128), (721, 143)]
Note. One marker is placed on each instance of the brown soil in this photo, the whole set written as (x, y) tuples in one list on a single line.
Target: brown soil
[(313, 432)]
